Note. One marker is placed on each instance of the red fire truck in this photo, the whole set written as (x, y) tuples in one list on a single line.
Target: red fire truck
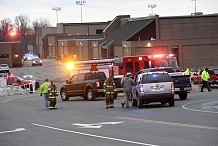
[(128, 64), (133, 64)]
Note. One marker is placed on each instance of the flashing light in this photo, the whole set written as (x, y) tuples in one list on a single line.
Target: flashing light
[(40, 61), (140, 58), (97, 84), (154, 75), (171, 55), (34, 61), (70, 66), (158, 55), (172, 87)]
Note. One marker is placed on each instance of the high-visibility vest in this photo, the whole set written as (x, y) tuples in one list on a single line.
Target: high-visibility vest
[(205, 76), (44, 88)]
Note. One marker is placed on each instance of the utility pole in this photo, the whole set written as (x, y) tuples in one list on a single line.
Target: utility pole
[(56, 9)]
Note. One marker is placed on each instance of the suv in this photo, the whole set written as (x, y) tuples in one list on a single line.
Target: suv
[(88, 85), (153, 87)]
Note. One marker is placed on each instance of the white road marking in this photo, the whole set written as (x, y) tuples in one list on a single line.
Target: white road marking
[(96, 125), (184, 106), (92, 135), (16, 130)]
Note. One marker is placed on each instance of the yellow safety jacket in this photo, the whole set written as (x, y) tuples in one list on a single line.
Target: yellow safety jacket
[(205, 76), (52, 90), (44, 87), (109, 86)]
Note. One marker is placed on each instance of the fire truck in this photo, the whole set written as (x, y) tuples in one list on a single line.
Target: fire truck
[(133, 64), (118, 67)]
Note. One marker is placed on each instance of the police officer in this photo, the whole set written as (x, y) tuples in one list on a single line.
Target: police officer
[(109, 87), (44, 92), (205, 77), (53, 93)]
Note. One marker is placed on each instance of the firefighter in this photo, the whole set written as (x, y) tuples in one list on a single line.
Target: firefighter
[(205, 77), (44, 92), (109, 87), (53, 93)]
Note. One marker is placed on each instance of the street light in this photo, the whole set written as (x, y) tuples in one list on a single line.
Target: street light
[(195, 5), (56, 9), (152, 6), (81, 3)]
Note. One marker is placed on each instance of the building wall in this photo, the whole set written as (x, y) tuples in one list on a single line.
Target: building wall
[(192, 27), (8, 50)]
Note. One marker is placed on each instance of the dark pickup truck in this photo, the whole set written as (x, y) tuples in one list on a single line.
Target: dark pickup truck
[(89, 85), (182, 83)]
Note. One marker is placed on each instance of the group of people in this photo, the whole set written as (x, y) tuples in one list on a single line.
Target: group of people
[(48, 91), (109, 87), (204, 78)]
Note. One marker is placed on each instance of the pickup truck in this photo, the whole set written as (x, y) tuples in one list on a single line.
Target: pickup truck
[(17, 81), (89, 85), (182, 83), (196, 78)]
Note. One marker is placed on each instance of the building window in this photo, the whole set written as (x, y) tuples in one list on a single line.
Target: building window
[(99, 31)]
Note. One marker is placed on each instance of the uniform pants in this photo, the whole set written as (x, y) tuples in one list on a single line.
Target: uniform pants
[(109, 99), (126, 97), (53, 102), (205, 84)]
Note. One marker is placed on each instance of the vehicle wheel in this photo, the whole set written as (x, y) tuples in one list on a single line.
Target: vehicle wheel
[(171, 102), (183, 95), (90, 95), (134, 102), (64, 96), (140, 103), (115, 95)]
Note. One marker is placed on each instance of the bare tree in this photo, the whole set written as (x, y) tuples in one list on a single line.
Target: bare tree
[(5, 27), (40, 23), (23, 26)]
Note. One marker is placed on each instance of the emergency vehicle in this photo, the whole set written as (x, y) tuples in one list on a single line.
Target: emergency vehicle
[(13, 80), (118, 67), (133, 64)]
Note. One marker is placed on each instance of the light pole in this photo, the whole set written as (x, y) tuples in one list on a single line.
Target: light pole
[(81, 3), (195, 5), (152, 6), (56, 9)]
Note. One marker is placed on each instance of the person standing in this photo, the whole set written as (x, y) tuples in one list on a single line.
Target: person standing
[(44, 92), (127, 83), (109, 87), (187, 72), (205, 77), (53, 93)]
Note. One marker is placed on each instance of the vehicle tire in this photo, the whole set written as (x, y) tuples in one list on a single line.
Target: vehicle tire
[(115, 95), (64, 95), (171, 102), (134, 102), (183, 95), (140, 103), (90, 95)]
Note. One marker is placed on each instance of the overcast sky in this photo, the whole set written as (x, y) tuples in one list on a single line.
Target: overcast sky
[(101, 10)]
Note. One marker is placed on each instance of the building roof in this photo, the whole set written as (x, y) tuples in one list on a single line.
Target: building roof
[(81, 37), (126, 31)]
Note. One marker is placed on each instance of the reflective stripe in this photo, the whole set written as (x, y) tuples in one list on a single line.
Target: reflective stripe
[(109, 92)]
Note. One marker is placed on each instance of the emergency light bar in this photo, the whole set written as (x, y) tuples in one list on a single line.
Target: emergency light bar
[(95, 61)]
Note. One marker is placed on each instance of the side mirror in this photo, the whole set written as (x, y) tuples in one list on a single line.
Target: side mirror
[(67, 81)]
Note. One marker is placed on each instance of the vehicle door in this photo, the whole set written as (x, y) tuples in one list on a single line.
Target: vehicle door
[(70, 87), (76, 85)]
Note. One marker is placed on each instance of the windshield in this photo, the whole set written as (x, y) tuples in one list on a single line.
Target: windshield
[(161, 63), (173, 63), (27, 77)]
